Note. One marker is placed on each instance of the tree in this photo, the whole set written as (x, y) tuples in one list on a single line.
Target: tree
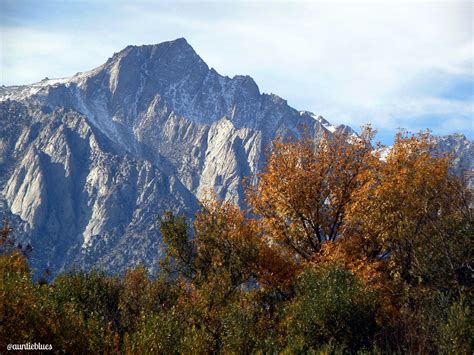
[(412, 219), (224, 245), (414, 215), (305, 190), (214, 267), (8, 243)]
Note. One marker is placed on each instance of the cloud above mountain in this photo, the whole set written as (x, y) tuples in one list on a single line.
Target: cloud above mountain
[(393, 64)]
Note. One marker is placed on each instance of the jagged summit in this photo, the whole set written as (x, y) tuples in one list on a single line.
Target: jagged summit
[(175, 50), (176, 56), (178, 42), (170, 72)]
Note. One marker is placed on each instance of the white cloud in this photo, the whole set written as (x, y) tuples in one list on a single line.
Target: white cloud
[(387, 62)]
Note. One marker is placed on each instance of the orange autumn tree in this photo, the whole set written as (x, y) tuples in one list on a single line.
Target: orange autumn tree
[(413, 222), (306, 189), (335, 200), (414, 215)]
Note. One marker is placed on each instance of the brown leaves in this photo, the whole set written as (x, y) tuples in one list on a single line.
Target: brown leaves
[(304, 192), (225, 241), (405, 206), (333, 202)]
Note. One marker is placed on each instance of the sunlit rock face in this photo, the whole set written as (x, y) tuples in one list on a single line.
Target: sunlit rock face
[(89, 163)]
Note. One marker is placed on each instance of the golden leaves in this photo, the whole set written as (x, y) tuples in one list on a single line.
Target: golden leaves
[(306, 188)]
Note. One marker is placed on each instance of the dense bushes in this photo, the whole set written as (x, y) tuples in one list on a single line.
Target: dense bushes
[(49, 315), (344, 253), (331, 306)]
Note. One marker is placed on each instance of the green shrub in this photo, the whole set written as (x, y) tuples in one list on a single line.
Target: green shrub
[(95, 294), (157, 334), (330, 306), (457, 331)]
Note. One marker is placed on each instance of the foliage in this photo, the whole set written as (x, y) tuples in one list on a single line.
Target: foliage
[(412, 212), (331, 306), (306, 188), (456, 332), (340, 252)]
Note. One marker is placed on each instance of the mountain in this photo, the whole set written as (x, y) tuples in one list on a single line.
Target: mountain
[(89, 163), (462, 150)]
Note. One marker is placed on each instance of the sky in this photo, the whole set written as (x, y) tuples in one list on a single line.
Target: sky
[(393, 64)]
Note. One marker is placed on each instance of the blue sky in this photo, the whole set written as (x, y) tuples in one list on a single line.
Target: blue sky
[(394, 64)]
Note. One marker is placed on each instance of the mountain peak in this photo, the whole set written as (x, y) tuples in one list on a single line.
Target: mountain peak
[(178, 44), (174, 48), (179, 41)]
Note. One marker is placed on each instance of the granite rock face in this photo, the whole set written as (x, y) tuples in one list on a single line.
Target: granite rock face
[(89, 163), (462, 150), (80, 203)]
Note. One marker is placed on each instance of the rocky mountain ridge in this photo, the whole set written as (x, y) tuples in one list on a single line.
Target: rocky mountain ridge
[(89, 163)]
